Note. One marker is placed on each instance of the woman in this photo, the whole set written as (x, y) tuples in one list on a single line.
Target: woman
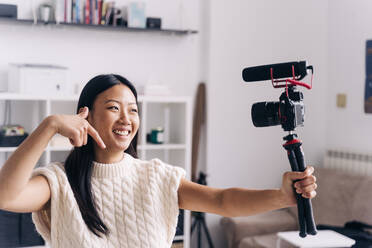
[(103, 196)]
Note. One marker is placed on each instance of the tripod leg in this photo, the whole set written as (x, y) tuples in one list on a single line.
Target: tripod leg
[(194, 225), (207, 233), (310, 223), (199, 234), (300, 203)]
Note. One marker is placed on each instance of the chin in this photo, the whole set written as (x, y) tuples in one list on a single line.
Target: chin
[(122, 147)]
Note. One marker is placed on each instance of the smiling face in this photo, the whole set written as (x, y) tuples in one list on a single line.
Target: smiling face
[(115, 117)]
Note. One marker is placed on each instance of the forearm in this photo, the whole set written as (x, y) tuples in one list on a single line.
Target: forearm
[(244, 202), (16, 172)]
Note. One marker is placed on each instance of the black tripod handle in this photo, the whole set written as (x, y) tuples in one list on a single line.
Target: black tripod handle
[(304, 207), (300, 204), (310, 223)]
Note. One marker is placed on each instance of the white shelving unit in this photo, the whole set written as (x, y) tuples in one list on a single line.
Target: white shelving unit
[(170, 112)]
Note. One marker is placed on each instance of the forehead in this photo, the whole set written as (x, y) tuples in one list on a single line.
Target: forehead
[(119, 92)]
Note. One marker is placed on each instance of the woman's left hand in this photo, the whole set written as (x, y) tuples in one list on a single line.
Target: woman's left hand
[(305, 185)]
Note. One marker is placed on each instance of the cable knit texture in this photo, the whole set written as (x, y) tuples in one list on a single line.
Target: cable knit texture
[(136, 199)]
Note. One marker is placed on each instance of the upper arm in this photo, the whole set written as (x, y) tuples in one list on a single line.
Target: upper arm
[(200, 198), (33, 198)]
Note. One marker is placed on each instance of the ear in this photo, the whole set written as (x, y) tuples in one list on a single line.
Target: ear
[(80, 110)]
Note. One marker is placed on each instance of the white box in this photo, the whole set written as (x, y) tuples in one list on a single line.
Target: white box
[(37, 79)]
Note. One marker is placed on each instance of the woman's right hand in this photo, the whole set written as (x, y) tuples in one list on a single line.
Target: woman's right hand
[(76, 128)]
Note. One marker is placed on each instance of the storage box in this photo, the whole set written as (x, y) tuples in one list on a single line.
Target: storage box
[(39, 79)]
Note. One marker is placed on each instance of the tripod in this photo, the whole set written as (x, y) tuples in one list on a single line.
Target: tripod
[(199, 218), (304, 207)]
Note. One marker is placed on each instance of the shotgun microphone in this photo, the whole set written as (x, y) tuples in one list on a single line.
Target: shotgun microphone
[(281, 70)]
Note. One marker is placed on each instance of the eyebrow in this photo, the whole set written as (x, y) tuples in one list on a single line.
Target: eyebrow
[(112, 100)]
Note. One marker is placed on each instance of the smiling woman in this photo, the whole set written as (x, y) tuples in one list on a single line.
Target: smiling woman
[(103, 195)]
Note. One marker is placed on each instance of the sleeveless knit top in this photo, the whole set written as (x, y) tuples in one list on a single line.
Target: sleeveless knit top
[(137, 200)]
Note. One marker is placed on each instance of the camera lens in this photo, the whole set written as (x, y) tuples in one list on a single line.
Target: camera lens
[(265, 114)]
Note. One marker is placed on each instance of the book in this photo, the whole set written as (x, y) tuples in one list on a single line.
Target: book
[(87, 12), (59, 11)]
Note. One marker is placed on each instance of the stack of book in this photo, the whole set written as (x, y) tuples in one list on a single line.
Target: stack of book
[(95, 12)]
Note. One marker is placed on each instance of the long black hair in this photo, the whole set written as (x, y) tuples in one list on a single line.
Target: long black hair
[(78, 165)]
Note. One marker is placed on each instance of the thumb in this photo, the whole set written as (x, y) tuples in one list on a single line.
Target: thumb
[(83, 112)]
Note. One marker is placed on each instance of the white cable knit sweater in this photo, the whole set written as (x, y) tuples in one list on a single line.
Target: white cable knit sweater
[(137, 200)]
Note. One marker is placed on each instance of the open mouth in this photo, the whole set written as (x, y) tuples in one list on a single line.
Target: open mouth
[(122, 132)]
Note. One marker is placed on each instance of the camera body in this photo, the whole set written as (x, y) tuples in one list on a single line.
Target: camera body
[(289, 111)]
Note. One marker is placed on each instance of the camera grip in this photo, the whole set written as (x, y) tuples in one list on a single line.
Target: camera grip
[(308, 208), (300, 203)]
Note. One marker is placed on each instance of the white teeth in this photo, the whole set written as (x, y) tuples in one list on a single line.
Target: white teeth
[(121, 132)]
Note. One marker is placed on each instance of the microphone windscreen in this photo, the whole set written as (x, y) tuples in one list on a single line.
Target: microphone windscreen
[(281, 70)]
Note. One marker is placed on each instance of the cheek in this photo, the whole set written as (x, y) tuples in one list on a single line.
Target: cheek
[(100, 123), (136, 123)]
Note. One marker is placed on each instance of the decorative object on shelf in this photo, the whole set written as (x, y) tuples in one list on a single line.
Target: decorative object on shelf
[(136, 15), (8, 10), (12, 135), (178, 244), (39, 79), (156, 136), (199, 119), (198, 122), (46, 13), (153, 23)]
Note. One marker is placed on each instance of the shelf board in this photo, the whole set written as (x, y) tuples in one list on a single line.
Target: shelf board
[(101, 27), (49, 148), (8, 149), (178, 237), (59, 148), (161, 147)]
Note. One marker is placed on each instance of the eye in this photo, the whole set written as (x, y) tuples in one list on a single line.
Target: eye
[(134, 110), (113, 108)]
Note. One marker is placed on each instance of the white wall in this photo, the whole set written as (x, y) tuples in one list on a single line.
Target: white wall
[(248, 33), (349, 28), (170, 59)]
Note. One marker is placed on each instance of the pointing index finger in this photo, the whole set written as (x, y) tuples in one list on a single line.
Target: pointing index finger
[(92, 132)]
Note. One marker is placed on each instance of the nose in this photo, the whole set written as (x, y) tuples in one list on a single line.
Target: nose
[(124, 118)]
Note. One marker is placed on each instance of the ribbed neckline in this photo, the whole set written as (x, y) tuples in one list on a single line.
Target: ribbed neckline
[(118, 169)]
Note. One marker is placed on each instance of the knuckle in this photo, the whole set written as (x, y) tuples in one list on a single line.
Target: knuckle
[(287, 174)]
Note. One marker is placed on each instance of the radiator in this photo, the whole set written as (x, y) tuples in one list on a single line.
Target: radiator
[(350, 161)]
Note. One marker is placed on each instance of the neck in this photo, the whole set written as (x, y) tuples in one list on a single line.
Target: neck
[(107, 156)]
